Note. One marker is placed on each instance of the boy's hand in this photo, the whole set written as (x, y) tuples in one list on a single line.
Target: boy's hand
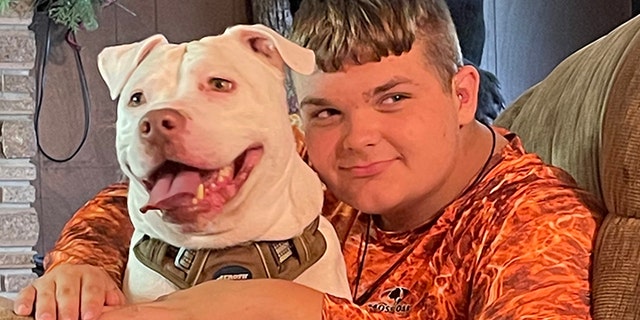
[(71, 292)]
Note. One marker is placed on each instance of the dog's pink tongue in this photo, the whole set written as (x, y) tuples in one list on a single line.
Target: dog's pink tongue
[(173, 190)]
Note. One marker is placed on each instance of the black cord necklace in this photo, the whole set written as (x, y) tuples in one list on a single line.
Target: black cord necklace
[(364, 241), (362, 248)]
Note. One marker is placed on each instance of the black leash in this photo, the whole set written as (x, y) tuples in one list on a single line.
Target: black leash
[(40, 84)]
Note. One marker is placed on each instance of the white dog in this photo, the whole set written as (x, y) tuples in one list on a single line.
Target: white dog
[(217, 190)]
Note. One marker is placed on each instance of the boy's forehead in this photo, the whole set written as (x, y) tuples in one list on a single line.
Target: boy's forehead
[(327, 88), (368, 74)]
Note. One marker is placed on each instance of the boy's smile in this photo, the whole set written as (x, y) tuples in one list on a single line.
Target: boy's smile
[(367, 169)]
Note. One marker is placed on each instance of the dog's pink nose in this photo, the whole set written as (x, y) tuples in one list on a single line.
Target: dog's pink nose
[(160, 124)]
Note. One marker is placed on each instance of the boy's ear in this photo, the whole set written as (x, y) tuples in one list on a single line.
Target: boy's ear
[(465, 90)]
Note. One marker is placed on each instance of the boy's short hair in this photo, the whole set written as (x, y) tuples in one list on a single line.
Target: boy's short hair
[(347, 32)]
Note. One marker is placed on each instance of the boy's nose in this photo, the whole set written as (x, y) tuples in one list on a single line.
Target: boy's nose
[(361, 132)]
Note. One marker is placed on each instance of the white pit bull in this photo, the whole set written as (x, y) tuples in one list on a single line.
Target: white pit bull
[(217, 190)]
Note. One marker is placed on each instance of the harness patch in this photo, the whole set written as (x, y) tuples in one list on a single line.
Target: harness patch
[(232, 273)]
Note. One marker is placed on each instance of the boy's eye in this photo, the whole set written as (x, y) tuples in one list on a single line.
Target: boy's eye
[(325, 113), (393, 99)]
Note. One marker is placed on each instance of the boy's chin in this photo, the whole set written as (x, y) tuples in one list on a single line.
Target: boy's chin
[(378, 205)]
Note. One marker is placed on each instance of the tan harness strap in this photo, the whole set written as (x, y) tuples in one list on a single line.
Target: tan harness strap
[(185, 268)]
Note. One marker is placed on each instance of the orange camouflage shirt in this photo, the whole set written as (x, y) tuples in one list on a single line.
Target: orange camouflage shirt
[(516, 245)]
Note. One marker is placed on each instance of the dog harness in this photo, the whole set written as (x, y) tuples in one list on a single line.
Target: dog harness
[(264, 259)]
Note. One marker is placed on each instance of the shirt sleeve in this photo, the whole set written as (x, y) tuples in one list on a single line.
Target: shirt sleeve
[(537, 266), (97, 234)]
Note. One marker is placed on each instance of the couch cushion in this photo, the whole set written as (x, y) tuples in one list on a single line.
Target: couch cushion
[(620, 157), (561, 117)]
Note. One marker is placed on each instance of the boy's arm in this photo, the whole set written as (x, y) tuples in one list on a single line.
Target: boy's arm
[(84, 270), (97, 234)]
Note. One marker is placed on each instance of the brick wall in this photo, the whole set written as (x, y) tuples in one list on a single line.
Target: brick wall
[(18, 219)]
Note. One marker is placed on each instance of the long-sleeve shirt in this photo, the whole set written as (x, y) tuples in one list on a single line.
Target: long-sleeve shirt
[(516, 245)]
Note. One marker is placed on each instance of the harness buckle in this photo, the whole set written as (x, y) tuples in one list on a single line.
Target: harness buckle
[(184, 259)]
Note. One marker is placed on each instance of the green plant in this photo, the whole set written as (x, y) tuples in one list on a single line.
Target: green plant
[(76, 13), (6, 4)]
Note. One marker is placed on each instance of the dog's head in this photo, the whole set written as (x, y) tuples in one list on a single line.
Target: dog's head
[(202, 124)]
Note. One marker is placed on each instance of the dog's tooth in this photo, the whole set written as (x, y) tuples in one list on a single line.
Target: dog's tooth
[(228, 170), (200, 193), (194, 201), (225, 172)]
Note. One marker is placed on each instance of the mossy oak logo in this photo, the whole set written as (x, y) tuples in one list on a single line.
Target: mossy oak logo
[(395, 301)]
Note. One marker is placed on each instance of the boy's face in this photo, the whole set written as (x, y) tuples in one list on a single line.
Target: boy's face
[(383, 136)]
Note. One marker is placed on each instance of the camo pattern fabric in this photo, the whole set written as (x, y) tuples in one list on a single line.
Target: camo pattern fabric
[(517, 245), (97, 234)]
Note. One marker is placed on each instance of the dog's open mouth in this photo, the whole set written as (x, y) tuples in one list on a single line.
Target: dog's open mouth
[(179, 188)]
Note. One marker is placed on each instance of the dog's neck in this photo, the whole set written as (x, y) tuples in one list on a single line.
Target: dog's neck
[(276, 207)]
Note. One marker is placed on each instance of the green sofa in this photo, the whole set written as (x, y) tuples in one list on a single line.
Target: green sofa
[(585, 118)]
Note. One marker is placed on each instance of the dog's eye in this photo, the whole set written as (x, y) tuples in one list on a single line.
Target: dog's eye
[(136, 99), (219, 84)]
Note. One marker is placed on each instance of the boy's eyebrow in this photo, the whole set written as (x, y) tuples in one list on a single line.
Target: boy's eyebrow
[(321, 102), (385, 87)]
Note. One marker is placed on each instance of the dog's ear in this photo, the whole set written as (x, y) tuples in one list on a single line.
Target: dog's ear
[(117, 63), (276, 48)]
